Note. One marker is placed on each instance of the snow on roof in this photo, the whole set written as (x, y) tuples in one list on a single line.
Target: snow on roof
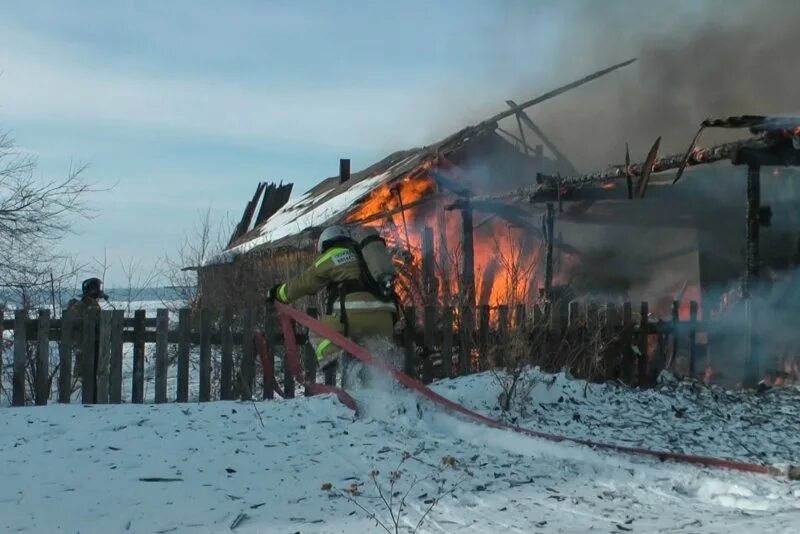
[(302, 213)]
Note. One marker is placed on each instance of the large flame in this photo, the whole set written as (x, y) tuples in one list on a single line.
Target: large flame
[(504, 258)]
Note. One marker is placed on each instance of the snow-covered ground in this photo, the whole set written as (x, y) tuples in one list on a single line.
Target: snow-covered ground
[(206, 467)]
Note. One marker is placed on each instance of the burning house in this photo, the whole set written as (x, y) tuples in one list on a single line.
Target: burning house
[(485, 217)]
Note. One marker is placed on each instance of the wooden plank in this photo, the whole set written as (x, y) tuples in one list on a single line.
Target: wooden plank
[(592, 316), (447, 341), (549, 222), (20, 357), (115, 365), (42, 375), (613, 362), (503, 333), (288, 379), (692, 337), (429, 330), (643, 343), (627, 343), (162, 357), (104, 357), (248, 362), (409, 350), (226, 362), (89, 356), (483, 337), (468, 263), (519, 316), (184, 348), (205, 355), (466, 341), (65, 358), (137, 389), (270, 329), (676, 307), (574, 314)]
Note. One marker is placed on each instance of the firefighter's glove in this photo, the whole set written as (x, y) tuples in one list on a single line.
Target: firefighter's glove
[(272, 293)]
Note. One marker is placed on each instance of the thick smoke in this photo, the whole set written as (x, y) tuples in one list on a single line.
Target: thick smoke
[(698, 59)]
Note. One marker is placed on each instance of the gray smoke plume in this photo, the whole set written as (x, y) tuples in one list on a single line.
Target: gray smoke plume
[(696, 59)]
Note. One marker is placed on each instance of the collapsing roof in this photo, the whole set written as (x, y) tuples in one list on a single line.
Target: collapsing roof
[(330, 201)]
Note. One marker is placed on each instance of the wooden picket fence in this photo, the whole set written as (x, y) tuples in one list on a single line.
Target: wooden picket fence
[(99, 337), (445, 342)]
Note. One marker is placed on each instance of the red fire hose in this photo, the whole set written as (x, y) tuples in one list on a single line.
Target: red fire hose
[(288, 314)]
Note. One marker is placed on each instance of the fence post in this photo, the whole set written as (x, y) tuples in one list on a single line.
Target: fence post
[(410, 363), (288, 378), (184, 346), (465, 333), (310, 358), (503, 333), (627, 343), (41, 378), (65, 358), (89, 357), (428, 334), (676, 308), (248, 369), (205, 355), (519, 316), (483, 340), (20, 355), (162, 333), (137, 390), (103, 357), (692, 336), (115, 367), (644, 325), (226, 369), (447, 341), (573, 314)]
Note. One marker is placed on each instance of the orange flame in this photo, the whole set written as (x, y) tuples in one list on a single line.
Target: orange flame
[(504, 259)]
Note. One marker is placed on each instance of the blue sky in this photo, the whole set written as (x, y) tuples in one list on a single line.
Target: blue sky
[(184, 105)]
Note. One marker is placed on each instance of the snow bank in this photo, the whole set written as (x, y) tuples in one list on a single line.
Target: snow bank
[(199, 467)]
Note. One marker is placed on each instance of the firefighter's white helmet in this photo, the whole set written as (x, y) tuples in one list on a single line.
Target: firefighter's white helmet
[(331, 235)]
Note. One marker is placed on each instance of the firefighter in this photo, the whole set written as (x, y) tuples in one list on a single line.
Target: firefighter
[(91, 293), (355, 304)]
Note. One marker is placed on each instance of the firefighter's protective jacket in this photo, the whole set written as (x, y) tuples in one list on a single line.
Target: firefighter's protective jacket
[(338, 269)]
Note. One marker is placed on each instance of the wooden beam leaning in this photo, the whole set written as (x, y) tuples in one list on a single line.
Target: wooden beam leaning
[(42, 374)]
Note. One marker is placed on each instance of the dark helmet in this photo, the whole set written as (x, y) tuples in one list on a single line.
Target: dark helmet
[(93, 287)]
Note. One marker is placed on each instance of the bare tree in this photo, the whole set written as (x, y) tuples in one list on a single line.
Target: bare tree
[(138, 280), (35, 214), (200, 244)]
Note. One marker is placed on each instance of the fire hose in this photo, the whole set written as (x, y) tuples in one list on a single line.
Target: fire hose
[(288, 315)]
